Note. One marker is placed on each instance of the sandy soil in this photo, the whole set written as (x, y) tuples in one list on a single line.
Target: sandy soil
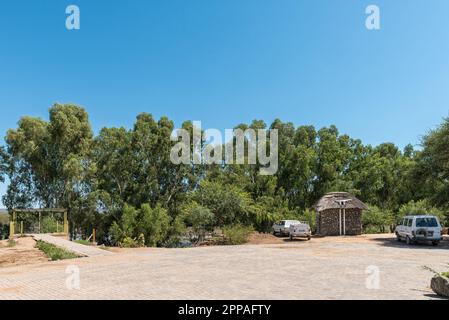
[(24, 252), (265, 238)]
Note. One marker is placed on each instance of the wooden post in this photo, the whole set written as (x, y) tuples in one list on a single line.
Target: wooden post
[(21, 227), (66, 223), (57, 226), (40, 216), (94, 236), (339, 211), (12, 230)]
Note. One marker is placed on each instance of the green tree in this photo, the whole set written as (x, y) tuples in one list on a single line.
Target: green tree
[(50, 159), (377, 220), (421, 207), (431, 174), (199, 218)]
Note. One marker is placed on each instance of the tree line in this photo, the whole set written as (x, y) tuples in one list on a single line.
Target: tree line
[(122, 181)]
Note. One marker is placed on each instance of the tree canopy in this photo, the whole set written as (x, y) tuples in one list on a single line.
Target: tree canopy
[(123, 182)]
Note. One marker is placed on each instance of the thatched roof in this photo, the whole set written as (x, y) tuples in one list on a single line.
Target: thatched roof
[(332, 200)]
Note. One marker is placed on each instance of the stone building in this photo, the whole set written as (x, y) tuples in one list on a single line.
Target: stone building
[(339, 213)]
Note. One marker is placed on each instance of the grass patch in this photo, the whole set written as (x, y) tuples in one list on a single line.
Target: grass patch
[(445, 274), (85, 242), (54, 252)]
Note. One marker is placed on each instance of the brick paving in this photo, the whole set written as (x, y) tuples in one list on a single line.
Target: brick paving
[(80, 249), (329, 268)]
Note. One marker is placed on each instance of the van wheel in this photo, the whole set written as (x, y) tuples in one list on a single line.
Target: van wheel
[(291, 238), (398, 237), (308, 238), (434, 243), (408, 240)]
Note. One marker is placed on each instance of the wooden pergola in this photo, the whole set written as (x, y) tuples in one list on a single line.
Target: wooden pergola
[(12, 224)]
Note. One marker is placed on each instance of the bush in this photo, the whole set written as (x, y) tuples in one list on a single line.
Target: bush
[(309, 216), (53, 252), (237, 234), (421, 208), (201, 220), (136, 228), (50, 225), (376, 220)]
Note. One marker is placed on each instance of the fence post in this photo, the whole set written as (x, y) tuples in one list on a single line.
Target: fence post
[(12, 230), (40, 215), (66, 223), (94, 235)]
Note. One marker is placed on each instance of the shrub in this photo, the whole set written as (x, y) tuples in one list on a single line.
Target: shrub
[(128, 242), (147, 226), (53, 252), (201, 220), (49, 225), (376, 220), (421, 207), (237, 234), (309, 216)]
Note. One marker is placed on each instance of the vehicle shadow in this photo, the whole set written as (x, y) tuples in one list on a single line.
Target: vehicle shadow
[(295, 240), (394, 243)]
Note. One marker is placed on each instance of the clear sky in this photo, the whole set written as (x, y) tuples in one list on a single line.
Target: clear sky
[(224, 62)]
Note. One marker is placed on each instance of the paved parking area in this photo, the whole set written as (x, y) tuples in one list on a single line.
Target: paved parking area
[(327, 268)]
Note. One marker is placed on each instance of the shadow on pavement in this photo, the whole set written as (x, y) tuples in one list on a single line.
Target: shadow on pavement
[(393, 242)]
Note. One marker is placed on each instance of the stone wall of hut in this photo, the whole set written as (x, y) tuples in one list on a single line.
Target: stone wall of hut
[(328, 222)]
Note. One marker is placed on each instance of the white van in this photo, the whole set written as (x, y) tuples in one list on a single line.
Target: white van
[(283, 227), (419, 229)]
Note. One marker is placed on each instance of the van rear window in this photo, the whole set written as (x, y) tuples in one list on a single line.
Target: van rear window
[(426, 222)]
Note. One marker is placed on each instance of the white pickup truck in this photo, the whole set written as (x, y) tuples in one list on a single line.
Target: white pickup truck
[(300, 230)]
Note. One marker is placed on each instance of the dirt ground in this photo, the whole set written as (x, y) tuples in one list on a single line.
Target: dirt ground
[(23, 252)]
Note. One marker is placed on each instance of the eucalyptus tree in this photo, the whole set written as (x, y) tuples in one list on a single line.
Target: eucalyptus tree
[(49, 160)]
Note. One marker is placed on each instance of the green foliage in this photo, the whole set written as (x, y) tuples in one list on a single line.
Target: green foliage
[(309, 216), (199, 218), (237, 234), (432, 171), (147, 226), (50, 224), (229, 204), (83, 242), (376, 220), (48, 162), (53, 252), (123, 183), (421, 207)]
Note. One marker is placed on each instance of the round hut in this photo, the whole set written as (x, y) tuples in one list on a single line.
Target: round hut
[(339, 213)]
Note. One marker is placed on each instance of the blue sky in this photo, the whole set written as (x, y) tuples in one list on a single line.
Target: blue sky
[(229, 61)]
